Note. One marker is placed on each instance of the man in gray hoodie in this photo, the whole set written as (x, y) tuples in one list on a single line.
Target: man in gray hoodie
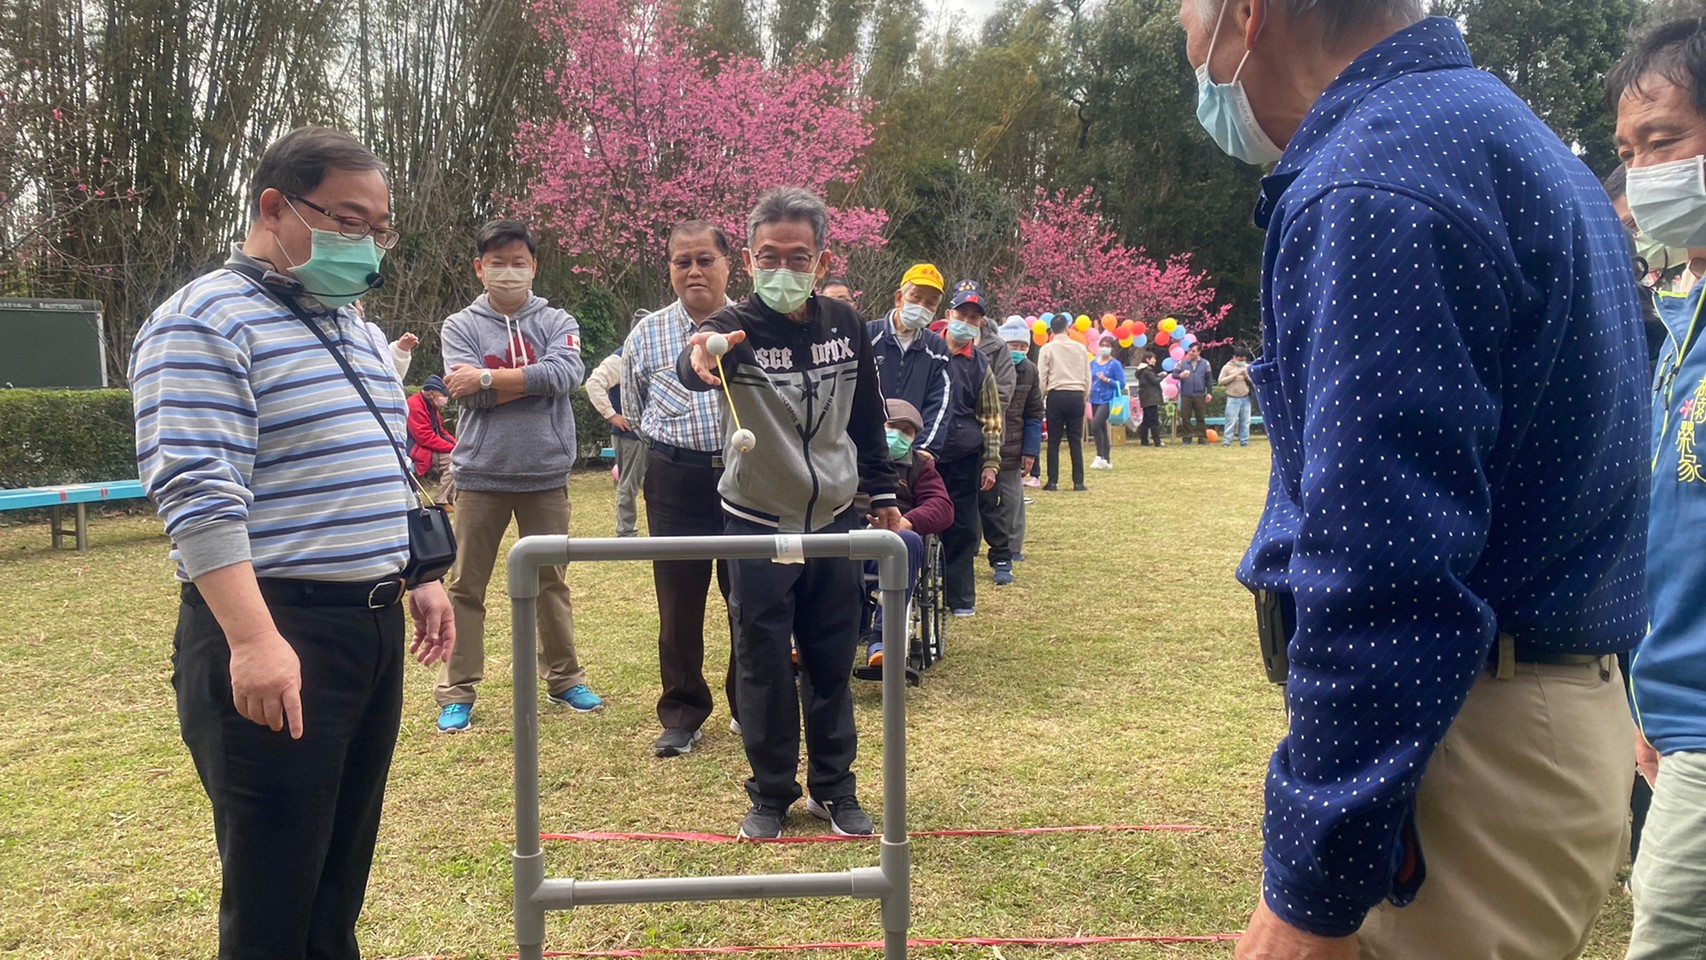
[(511, 360)]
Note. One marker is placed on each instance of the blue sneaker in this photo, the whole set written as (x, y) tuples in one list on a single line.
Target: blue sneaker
[(578, 698), (455, 717), (1004, 573)]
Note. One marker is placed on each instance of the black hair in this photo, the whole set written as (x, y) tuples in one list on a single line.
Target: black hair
[(693, 228), (1616, 183), (1058, 324), (835, 282), (1241, 351), (297, 162), (502, 233), (1674, 51)]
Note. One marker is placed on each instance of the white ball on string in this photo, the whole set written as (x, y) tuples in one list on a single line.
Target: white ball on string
[(744, 440)]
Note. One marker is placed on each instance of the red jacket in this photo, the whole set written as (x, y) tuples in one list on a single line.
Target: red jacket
[(924, 500), (427, 434)]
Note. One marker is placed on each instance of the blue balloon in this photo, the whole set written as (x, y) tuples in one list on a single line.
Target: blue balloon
[(1141, 340), (1168, 364), (1046, 317)]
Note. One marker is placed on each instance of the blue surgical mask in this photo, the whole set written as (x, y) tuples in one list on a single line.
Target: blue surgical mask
[(899, 443), (1224, 111), (338, 269), (1018, 356), (1669, 201), (915, 316), (961, 331)]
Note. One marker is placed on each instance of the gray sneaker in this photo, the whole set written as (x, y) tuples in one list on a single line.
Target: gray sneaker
[(763, 822), (675, 742), (844, 814)]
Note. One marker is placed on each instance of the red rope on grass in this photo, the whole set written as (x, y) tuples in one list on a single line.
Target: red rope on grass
[(878, 945), (597, 835)]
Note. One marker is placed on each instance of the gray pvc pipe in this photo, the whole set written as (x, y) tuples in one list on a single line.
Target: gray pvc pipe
[(890, 881)]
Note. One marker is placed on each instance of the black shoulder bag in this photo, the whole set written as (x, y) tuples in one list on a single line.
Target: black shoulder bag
[(432, 544)]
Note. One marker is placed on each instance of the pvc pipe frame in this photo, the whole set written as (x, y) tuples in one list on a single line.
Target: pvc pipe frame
[(890, 881)]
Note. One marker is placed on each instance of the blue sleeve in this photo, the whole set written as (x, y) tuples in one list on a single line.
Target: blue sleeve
[(1119, 376), (935, 396), (1031, 444), (1395, 385)]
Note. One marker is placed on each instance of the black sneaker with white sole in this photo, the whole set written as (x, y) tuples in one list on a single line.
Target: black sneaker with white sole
[(763, 822), (844, 814), (675, 742)]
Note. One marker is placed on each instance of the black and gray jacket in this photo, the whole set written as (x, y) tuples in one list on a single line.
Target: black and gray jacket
[(808, 392)]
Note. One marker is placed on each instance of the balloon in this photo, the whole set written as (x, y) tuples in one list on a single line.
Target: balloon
[(1083, 323), (1176, 353), (1109, 322), (1168, 324), (1168, 364), (1032, 319), (1179, 333), (1162, 338), (1213, 436), (1126, 341), (1140, 327), (616, 474), (1170, 389), (1140, 340), (1039, 337), (1075, 333), (1045, 318), (1039, 328)]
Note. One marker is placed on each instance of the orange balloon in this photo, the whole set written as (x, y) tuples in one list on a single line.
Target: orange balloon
[(1039, 338), (1076, 333), (1109, 322), (1212, 435)]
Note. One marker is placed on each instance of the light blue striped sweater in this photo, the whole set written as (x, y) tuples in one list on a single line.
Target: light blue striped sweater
[(254, 445)]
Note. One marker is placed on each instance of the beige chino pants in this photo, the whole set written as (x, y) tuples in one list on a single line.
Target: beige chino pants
[(1523, 819), (482, 519)]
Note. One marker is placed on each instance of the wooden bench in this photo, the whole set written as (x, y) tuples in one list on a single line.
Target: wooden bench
[(78, 495)]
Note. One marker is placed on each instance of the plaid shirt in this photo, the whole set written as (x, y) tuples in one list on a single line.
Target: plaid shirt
[(992, 418), (653, 398)]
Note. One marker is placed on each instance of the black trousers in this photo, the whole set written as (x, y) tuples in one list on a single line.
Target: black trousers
[(682, 501), (1065, 412), (294, 820), (960, 540), (993, 517), (1149, 431), (818, 604)]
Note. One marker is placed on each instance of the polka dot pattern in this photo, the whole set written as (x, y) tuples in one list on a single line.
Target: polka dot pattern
[(1453, 374)]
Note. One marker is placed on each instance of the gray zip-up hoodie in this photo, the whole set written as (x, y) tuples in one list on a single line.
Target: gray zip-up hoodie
[(526, 444)]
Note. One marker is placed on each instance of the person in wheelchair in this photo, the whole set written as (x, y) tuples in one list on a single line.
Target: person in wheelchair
[(925, 507)]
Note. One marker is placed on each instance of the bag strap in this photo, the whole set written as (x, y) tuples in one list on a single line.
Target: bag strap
[(373, 408)]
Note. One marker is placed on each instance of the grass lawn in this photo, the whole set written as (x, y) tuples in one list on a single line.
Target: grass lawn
[(1117, 682)]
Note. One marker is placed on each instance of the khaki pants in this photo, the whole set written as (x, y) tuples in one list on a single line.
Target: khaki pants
[(482, 518), (1523, 819)]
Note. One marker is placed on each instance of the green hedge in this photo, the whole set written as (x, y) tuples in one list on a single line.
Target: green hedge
[(53, 437)]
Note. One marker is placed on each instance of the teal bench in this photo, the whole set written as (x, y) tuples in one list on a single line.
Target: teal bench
[(1221, 421), (78, 495)]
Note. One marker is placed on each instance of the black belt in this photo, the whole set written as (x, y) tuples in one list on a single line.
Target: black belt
[(692, 458), (374, 595), (1507, 652)]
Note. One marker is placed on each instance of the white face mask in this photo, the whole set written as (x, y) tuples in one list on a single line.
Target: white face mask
[(1669, 201), (509, 283), (915, 316)]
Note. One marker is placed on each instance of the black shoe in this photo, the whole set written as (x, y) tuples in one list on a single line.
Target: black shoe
[(1050, 486), (1079, 488), (763, 822), (844, 814), (675, 742)]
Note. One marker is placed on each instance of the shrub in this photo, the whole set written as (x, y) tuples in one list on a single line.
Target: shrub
[(53, 437)]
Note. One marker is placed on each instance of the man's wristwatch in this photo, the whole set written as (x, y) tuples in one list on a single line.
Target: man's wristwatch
[(485, 379)]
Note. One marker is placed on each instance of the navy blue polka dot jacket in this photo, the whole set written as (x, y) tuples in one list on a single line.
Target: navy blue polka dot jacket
[(1453, 378)]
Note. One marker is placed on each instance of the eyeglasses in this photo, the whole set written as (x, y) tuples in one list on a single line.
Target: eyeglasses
[(704, 261), (354, 228), (799, 262)]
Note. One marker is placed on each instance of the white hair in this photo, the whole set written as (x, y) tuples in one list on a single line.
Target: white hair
[(1337, 16)]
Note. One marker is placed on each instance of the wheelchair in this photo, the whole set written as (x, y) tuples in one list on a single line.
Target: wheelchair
[(926, 616)]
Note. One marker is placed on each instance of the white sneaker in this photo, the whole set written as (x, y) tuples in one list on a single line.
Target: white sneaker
[(1098, 464)]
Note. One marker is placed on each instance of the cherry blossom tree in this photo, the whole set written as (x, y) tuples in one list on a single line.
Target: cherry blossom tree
[(1070, 258), (654, 132)]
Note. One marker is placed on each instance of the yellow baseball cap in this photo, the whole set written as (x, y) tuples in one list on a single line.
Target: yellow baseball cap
[(924, 275)]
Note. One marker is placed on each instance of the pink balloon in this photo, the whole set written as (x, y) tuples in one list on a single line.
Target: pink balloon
[(615, 474), (1177, 352), (1170, 389)]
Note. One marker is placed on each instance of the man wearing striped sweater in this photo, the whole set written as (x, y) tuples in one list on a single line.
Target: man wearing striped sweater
[(285, 501)]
